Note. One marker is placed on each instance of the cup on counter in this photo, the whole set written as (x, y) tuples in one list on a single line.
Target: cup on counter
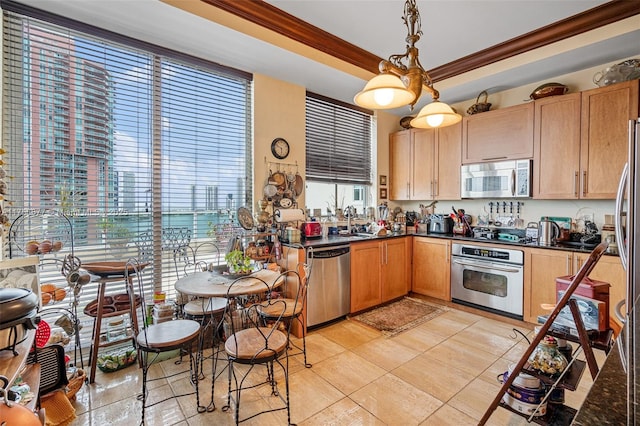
[(333, 230)]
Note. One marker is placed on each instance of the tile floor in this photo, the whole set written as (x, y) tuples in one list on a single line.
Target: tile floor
[(443, 372)]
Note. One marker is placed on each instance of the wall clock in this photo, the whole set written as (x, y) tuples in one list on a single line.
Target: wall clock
[(280, 148)]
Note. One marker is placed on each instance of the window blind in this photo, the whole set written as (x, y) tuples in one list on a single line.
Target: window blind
[(338, 142), (142, 149)]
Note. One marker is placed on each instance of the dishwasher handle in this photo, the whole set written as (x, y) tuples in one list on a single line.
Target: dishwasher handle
[(328, 252)]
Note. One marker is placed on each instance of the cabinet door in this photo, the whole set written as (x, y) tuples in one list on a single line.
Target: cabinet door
[(421, 161), (431, 267), (366, 262), (610, 270), (605, 135), (542, 267), (395, 268), (506, 133), (399, 160), (448, 157), (556, 165)]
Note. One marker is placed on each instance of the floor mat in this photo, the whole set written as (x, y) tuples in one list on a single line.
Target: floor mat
[(401, 315)]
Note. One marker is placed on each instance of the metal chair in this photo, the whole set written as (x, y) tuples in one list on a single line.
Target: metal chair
[(153, 340), (206, 310), (296, 284), (252, 343)]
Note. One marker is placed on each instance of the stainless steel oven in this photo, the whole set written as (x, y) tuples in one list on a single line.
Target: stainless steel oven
[(488, 278)]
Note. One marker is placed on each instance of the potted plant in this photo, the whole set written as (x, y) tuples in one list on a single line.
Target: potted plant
[(238, 263)]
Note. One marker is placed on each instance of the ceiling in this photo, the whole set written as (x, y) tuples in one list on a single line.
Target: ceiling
[(452, 29)]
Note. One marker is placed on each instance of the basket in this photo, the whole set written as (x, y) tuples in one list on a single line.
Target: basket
[(75, 384), (480, 106)]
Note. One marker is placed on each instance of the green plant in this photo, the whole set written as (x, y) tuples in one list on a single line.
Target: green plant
[(238, 262)]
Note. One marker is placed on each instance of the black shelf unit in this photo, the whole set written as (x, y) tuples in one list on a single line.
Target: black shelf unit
[(560, 414)]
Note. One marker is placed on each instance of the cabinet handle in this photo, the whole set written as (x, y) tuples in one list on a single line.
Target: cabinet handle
[(447, 254), (575, 184), (494, 158), (386, 254), (584, 183), (568, 264), (408, 190), (435, 187)]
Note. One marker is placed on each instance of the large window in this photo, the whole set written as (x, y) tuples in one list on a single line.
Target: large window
[(139, 146), (338, 156)]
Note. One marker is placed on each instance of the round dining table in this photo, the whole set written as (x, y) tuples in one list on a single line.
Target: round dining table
[(214, 284)]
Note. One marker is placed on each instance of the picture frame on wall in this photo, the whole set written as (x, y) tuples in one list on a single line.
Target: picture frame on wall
[(383, 193), (383, 180)]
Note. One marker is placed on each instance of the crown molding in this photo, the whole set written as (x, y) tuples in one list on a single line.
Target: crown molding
[(270, 17)]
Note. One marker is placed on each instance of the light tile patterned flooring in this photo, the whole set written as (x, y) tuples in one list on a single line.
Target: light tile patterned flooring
[(443, 372)]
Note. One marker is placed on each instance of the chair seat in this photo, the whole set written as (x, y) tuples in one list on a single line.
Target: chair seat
[(270, 310), (168, 334), (250, 343), (205, 306)]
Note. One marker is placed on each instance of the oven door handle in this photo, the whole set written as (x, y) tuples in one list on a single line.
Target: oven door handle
[(485, 266)]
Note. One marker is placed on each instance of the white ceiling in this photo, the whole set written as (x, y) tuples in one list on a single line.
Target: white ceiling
[(452, 29)]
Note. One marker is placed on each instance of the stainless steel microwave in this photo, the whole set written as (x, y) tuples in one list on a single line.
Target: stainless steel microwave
[(504, 179)]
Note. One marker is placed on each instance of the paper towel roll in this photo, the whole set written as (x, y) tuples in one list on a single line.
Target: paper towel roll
[(290, 215)]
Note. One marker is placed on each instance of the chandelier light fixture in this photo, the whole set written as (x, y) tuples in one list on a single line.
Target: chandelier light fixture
[(400, 83)]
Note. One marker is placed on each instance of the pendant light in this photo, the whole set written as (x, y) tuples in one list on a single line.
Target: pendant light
[(400, 84)]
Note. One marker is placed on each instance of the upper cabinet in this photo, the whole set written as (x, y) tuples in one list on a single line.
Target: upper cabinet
[(502, 134), (605, 137), (425, 164), (580, 142), (556, 158)]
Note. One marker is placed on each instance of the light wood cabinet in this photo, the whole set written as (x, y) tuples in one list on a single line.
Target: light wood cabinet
[(379, 271), (396, 268), (502, 134), (425, 164), (431, 267), (366, 264), (581, 140), (543, 266), (610, 270), (556, 158), (606, 112)]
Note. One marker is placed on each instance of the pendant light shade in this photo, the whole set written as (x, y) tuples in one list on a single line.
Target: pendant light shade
[(402, 80), (384, 91), (435, 114)]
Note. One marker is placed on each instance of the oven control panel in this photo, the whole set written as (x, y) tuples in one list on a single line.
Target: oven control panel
[(504, 255)]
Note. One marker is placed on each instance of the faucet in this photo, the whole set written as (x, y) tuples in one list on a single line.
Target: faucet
[(349, 212)]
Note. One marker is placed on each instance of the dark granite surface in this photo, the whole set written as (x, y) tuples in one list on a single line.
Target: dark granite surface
[(606, 402), (333, 240)]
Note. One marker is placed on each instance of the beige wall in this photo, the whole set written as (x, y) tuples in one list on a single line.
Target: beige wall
[(278, 112)]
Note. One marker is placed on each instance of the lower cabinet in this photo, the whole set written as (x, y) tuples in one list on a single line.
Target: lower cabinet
[(431, 267), (380, 271), (610, 270), (543, 266)]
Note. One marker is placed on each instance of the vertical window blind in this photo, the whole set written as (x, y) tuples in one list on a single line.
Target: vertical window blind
[(338, 142), (141, 148)]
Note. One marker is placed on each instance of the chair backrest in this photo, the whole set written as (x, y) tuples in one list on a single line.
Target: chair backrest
[(196, 258), (135, 285), (242, 313)]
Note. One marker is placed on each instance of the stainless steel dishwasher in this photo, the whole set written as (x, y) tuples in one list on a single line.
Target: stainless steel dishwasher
[(329, 291)]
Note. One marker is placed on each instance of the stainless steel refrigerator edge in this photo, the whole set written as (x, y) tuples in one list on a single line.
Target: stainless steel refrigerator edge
[(329, 292), (628, 340)]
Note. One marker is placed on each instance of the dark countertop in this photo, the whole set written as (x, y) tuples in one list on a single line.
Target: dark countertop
[(606, 402), (333, 240)]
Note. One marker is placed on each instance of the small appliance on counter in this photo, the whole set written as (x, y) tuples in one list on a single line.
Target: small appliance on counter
[(440, 224), (482, 233), (312, 229)]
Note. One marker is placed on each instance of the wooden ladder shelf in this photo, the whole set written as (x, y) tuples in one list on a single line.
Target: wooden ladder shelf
[(586, 343)]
